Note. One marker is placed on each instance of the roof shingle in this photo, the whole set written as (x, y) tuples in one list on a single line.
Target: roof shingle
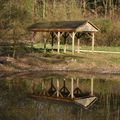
[(67, 26)]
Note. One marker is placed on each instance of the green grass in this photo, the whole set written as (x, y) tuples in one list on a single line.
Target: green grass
[(115, 59), (105, 48), (97, 48)]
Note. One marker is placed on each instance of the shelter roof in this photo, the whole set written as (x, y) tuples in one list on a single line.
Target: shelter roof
[(64, 26)]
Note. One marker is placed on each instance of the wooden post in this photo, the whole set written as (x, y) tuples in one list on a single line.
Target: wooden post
[(58, 88), (43, 87), (78, 45), (93, 41), (52, 41), (65, 36), (73, 42), (65, 45), (45, 42), (92, 86), (58, 37), (32, 40), (77, 82), (72, 88)]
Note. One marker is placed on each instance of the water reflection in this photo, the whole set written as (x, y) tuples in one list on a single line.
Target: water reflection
[(66, 90), (15, 103)]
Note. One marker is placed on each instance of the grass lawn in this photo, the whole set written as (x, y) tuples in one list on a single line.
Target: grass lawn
[(97, 48), (86, 62)]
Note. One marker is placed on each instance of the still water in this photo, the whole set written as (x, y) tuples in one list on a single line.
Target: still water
[(15, 103)]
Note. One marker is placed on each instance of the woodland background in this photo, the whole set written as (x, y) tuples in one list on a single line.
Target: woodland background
[(17, 15)]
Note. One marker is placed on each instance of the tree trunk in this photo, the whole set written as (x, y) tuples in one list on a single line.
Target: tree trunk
[(44, 9), (34, 11), (105, 5), (95, 5), (54, 4), (84, 8)]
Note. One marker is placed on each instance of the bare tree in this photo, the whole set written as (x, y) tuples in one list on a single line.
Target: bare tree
[(105, 5), (84, 4), (34, 10), (95, 6)]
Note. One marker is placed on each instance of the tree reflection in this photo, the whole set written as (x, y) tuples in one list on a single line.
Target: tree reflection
[(16, 105)]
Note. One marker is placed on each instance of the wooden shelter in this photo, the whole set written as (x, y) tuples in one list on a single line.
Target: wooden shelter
[(65, 29)]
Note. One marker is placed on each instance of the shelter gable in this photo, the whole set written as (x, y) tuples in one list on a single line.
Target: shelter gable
[(88, 27)]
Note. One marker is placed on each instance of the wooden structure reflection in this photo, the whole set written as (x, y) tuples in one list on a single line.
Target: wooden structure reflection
[(68, 92)]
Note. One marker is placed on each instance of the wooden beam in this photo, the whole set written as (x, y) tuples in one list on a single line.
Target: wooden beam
[(93, 41), (105, 52), (73, 42), (58, 38), (56, 34)]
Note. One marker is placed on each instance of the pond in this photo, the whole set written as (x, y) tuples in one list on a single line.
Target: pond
[(16, 102)]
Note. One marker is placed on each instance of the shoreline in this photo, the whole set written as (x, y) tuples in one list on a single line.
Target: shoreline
[(60, 74), (84, 63), (60, 71)]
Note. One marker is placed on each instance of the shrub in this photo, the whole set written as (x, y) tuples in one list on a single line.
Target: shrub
[(105, 25)]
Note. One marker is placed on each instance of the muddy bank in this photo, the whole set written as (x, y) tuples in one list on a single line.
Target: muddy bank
[(84, 63)]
